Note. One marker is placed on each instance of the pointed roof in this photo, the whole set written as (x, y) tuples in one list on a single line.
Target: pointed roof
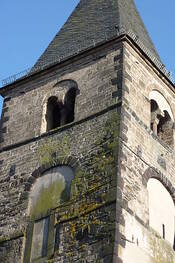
[(94, 21)]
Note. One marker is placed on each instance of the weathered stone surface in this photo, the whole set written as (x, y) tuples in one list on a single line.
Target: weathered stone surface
[(11, 251), (142, 156), (86, 221), (94, 80), (106, 218)]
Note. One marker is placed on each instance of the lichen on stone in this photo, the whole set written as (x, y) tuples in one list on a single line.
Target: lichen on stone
[(48, 199), (48, 151)]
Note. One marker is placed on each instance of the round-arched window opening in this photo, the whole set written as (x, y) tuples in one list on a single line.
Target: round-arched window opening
[(161, 210), (60, 108), (49, 191), (161, 118), (61, 113)]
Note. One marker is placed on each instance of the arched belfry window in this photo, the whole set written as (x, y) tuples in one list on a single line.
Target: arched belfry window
[(60, 108), (161, 121)]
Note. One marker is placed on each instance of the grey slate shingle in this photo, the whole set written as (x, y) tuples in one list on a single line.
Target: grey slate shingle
[(93, 21)]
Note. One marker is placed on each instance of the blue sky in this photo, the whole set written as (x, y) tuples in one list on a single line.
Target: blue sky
[(27, 27)]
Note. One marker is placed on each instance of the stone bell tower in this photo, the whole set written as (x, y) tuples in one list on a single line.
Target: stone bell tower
[(87, 146)]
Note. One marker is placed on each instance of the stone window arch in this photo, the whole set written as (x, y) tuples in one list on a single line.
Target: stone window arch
[(59, 107), (161, 121), (48, 192), (161, 210)]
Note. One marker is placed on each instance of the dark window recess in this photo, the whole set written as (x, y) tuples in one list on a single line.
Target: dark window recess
[(53, 113), (69, 103), (163, 231), (57, 237), (54, 155), (12, 170), (82, 234), (45, 237), (59, 113)]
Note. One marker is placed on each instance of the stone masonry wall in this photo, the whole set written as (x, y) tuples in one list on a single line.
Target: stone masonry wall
[(11, 251), (96, 74), (85, 225), (142, 156), (92, 152)]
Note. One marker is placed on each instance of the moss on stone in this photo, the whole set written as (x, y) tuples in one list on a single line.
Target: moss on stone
[(14, 235), (49, 198), (101, 164), (47, 153), (105, 159)]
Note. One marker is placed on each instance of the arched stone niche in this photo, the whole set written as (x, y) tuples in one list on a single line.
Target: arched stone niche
[(50, 190), (161, 200), (161, 210)]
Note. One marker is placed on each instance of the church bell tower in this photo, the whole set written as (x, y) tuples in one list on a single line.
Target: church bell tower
[(87, 158)]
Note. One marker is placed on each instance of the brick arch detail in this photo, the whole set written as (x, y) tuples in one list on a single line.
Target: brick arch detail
[(152, 173)]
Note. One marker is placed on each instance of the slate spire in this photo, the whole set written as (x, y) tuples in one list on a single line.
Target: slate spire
[(94, 21)]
